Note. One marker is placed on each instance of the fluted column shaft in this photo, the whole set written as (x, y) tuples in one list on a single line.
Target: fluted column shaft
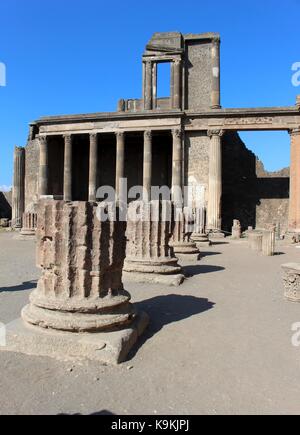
[(177, 165), (294, 209), (93, 166), (215, 180), (43, 173), (18, 204), (68, 168), (147, 163), (120, 169)]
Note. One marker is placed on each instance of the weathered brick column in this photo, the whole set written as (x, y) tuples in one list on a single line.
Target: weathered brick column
[(181, 242), (80, 290), (149, 257), (18, 197), (294, 212)]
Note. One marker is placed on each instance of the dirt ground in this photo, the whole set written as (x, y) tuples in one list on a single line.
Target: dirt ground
[(219, 344)]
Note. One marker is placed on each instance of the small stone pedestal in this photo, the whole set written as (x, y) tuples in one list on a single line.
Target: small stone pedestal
[(255, 241), (183, 246), (149, 257), (80, 308), (291, 281), (268, 242), (236, 230)]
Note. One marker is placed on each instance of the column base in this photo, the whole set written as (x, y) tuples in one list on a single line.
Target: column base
[(201, 240), (216, 235), (166, 272), (27, 232), (186, 251), (104, 347)]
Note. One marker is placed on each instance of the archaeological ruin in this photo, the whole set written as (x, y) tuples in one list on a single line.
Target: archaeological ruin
[(186, 139)]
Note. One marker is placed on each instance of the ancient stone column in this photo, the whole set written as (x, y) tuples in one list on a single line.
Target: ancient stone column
[(18, 195), (268, 242), (215, 92), (43, 171), (80, 292), (294, 211), (291, 281), (149, 257), (29, 224), (215, 180), (93, 166), (177, 166), (120, 170), (255, 241), (236, 230), (68, 168), (147, 183), (148, 92), (181, 242), (199, 235), (177, 77)]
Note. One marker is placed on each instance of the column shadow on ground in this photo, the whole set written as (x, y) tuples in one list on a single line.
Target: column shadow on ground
[(199, 269), (166, 309), (28, 285)]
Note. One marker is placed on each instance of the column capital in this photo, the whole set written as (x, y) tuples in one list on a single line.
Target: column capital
[(177, 61), (43, 139), (93, 135), (148, 134), (67, 136), (178, 133), (120, 134), (211, 133), (294, 131), (19, 149)]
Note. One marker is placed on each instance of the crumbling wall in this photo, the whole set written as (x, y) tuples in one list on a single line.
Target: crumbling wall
[(250, 193)]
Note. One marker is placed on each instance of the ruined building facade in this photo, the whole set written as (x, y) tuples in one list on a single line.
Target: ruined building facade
[(185, 139)]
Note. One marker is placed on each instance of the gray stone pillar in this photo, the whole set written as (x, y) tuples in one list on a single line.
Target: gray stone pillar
[(255, 241), (43, 173), (199, 235), (120, 169), (147, 183), (215, 180), (148, 92), (177, 165), (215, 93), (236, 230), (18, 199), (268, 242), (149, 257), (93, 166), (68, 168), (177, 77), (181, 242)]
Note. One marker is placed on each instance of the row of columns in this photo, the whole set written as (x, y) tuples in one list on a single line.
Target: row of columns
[(120, 163), (215, 173)]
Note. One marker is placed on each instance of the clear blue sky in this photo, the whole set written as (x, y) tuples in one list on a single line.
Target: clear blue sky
[(77, 56)]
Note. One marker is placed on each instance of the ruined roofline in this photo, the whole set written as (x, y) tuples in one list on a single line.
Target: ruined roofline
[(291, 110)]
